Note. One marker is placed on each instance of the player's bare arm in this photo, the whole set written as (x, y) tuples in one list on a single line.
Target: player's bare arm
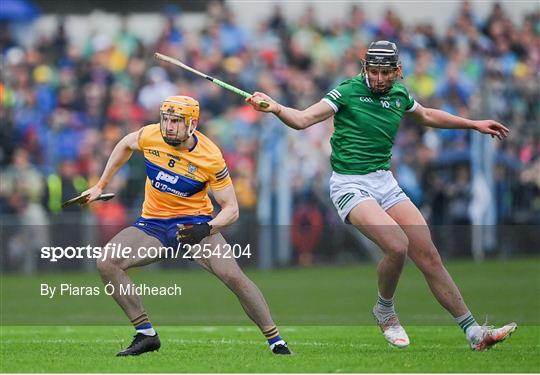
[(291, 117), (120, 155), (174, 213), (226, 199), (375, 103), (194, 233), (435, 118)]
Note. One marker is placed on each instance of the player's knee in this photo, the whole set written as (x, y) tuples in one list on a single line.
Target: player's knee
[(108, 265), (103, 266), (398, 247), (431, 263), (233, 280)]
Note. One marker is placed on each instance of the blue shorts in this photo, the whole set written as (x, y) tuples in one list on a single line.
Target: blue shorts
[(165, 229)]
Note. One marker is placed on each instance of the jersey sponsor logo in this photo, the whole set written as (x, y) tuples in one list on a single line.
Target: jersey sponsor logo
[(366, 99), (172, 183), (162, 176), (153, 152), (169, 189)]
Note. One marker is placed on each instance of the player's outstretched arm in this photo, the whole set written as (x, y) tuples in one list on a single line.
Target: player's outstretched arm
[(435, 118), (119, 156), (226, 198), (291, 117)]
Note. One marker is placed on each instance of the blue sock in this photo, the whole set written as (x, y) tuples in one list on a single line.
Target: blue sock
[(274, 340), (272, 335), (143, 325)]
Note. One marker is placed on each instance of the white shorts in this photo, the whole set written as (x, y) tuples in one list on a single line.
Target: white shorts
[(346, 191)]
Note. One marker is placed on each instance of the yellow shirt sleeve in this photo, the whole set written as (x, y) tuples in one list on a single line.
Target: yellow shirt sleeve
[(140, 139), (219, 175)]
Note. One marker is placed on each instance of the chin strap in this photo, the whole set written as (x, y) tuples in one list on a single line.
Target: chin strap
[(191, 129)]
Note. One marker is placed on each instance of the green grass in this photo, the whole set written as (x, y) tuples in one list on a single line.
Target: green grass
[(323, 312), (241, 349), (504, 291)]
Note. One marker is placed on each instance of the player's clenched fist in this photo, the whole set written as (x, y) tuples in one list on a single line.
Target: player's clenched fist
[(93, 193), (259, 97), (192, 234)]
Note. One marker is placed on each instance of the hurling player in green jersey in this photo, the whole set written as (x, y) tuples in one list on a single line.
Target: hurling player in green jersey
[(367, 110)]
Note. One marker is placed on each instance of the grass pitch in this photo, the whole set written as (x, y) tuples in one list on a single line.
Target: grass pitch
[(324, 314), (241, 349)]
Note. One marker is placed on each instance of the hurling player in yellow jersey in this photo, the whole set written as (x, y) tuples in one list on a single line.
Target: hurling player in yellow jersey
[(181, 164)]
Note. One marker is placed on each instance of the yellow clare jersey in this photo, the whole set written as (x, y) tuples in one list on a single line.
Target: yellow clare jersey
[(177, 181)]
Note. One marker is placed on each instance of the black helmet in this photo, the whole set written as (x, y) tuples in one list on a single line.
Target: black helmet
[(382, 53)]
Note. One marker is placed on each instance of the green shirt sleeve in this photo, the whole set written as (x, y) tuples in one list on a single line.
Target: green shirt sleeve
[(410, 104), (336, 97)]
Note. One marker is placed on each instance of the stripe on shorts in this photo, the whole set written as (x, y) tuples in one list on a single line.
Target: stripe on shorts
[(342, 201)]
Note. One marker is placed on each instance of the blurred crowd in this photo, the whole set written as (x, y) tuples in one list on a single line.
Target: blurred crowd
[(64, 106)]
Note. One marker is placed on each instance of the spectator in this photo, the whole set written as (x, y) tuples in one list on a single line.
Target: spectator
[(64, 105)]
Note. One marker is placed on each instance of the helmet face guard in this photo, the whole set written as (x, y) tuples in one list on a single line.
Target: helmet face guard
[(176, 108), (381, 54), (179, 136)]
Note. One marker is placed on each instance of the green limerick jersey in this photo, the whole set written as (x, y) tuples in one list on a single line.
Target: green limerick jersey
[(365, 125)]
